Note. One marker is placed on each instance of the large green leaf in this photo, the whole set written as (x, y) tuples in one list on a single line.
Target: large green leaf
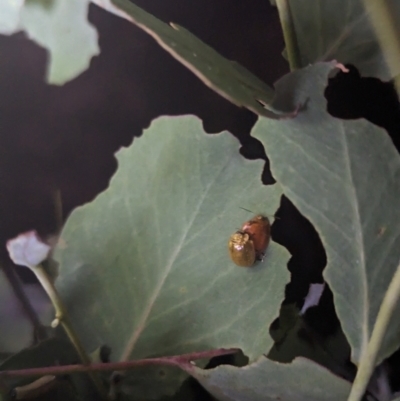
[(341, 30), (232, 81), (344, 177), (302, 380), (61, 26), (145, 267)]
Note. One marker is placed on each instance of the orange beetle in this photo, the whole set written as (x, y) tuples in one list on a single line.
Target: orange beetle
[(259, 231), (241, 249)]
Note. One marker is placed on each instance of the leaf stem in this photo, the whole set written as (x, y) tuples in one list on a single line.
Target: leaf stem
[(58, 209), (369, 357), (62, 317), (381, 17), (289, 34), (181, 361)]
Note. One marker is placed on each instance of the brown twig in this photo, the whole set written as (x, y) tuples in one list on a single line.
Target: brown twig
[(179, 361)]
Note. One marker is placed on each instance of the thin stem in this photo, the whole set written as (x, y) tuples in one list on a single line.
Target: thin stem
[(180, 361), (289, 34), (60, 309), (381, 17), (369, 357), (58, 210), (62, 317)]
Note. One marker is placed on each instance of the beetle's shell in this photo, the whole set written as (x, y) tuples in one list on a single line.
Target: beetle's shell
[(241, 249), (259, 231)]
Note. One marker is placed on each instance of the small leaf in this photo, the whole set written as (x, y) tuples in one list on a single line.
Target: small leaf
[(62, 28), (265, 380), (344, 176), (145, 267)]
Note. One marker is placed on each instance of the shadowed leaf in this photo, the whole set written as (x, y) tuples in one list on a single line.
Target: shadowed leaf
[(265, 380), (340, 30), (344, 176)]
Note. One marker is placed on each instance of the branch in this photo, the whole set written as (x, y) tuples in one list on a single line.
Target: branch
[(179, 361)]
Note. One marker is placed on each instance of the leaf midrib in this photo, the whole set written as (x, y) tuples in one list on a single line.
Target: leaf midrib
[(142, 323)]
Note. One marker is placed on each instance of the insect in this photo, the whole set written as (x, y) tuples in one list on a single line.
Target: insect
[(241, 249), (248, 245), (259, 230)]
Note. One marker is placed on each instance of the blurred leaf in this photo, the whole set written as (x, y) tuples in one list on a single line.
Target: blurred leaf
[(47, 353), (61, 26), (344, 176), (51, 352), (341, 30), (58, 389), (145, 269), (265, 380), (17, 331), (9, 15), (151, 382), (101, 354), (230, 80)]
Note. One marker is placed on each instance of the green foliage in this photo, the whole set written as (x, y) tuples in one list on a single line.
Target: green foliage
[(266, 380), (341, 30), (48, 353), (344, 177), (148, 257), (144, 268)]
